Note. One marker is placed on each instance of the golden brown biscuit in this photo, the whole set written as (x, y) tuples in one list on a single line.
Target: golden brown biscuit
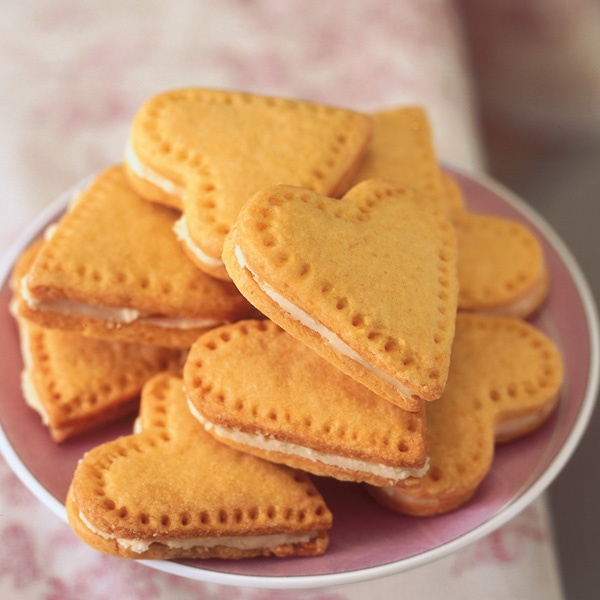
[(504, 382), (368, 281), (77, 383), (402, 150), (172, 491), (454, 199), (501, 266), (113, 269), (259, 390), (207, 151)]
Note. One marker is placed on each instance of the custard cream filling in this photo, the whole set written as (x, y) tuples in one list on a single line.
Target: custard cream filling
[(303, 317), (144, 172), (183, 235), (150, 175), (271, 444), (117, 316), (251, 542)]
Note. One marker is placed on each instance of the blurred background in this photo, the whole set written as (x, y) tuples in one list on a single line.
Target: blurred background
[(537, 68), (512, 87)]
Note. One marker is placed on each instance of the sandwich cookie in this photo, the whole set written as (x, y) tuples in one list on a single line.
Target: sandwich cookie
[(504, 382), (261, 391), (172, 491), (112, 269), (368, 282), (207, 151), (501, 266), (76, 383)]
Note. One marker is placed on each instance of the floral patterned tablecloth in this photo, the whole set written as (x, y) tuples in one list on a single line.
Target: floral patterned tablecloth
[(72, 74)]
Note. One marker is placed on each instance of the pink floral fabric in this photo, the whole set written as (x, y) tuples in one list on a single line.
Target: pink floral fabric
[(74, 73)]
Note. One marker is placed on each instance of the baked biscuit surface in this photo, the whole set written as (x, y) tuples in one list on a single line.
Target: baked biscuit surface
[(172, 491), (501, 265), (113, 268), (220, 147), (504, 382), (78, 383), (258, 389), (402, 150), (368, 281)]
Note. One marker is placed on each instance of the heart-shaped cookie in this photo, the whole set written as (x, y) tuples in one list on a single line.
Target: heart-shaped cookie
[(501, 265), (258, 389), (113, 269), (504, 382), (369, 281), (207, 151), (172, 491), (77, 383)]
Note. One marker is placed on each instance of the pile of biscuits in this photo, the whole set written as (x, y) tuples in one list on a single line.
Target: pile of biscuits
[(291, 289)]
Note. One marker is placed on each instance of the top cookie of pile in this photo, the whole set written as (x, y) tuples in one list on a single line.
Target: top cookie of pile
[(368, 281)]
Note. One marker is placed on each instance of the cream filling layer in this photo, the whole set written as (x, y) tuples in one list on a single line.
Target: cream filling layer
[(334, 341), (271, 444), (113, 315), (183, 235), (180, 228), (150, 175), (251, 542)]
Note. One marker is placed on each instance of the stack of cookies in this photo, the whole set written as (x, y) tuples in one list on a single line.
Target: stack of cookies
[(292, 289)]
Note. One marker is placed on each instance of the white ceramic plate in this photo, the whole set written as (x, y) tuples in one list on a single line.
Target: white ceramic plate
[(367, 541)]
